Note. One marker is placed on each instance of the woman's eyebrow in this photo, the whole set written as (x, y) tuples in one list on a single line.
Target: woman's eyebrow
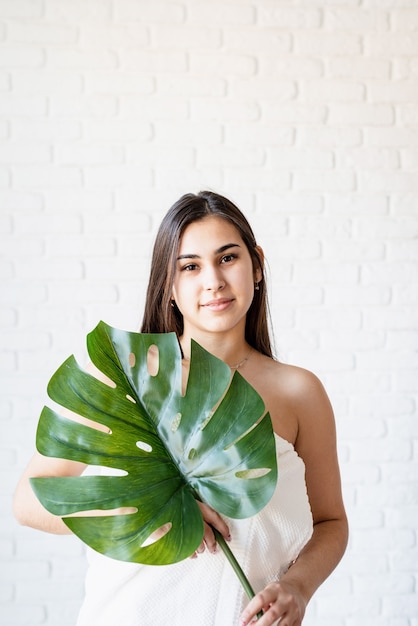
[(218, 251)]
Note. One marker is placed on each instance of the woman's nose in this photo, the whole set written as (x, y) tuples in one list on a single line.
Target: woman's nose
[(213, 280)]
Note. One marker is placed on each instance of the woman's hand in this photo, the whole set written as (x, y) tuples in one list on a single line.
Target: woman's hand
[(279, 601), (211, 518)]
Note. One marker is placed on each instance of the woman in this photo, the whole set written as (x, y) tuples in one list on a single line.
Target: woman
[(207, 284)]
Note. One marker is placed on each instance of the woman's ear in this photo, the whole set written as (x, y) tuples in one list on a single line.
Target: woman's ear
[(258, 270)]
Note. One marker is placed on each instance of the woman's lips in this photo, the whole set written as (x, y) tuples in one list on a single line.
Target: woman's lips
[(219, 304)]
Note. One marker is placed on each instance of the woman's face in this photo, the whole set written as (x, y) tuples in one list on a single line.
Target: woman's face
[(214, 278)]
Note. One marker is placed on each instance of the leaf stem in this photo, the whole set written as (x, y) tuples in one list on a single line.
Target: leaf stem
[(235, 566)]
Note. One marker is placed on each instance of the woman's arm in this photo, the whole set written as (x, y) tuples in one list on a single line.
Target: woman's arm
[(316, 445), (27, 508)]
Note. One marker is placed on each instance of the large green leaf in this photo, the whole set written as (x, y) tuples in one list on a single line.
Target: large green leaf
[(213, 443)]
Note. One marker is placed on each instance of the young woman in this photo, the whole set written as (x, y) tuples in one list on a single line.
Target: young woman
[(207, 284)]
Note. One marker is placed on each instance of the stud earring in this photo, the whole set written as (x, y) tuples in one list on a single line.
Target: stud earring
[(256, 286), (172, 302)]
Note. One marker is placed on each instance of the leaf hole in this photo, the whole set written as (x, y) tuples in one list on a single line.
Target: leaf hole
[(153, 360), (132, 360), (249, 474), (206, 420), (143, 446), (157, 534), (176, 422), (192, 454), (130, 398)]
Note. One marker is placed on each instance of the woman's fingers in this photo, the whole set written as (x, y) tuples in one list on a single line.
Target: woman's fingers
[(212, 520)]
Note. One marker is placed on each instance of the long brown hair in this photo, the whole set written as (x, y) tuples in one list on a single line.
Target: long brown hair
[(159, 314)]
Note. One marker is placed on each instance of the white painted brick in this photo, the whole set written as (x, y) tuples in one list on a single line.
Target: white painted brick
[(325, 44), (353, 19), (359, 67), (47, 82), (334, 319), (358, 114), (404, 19), (376, 182), (45, 130), (230, 157), (153, 107), (408, 114), (22, 247), (179, 37), (402, 250), (258, 134), (395, 137), (352, 250), (265, 40), (394, 318), (275, 203), (146, 12), (32, 32), (356, 204), (299, 158), (180, 180), (21, 8), (238, 14), (111, 35), (5, 80), (87, 154), (286, 66), (402, 339), (5, 177), (18, 615), (59, 269), (323, 360), (220, 110), (404, 204), (88, 58), (4, 130), (387, 227), (138, 222), (189, 133), (405, 561), (233, 64), (407, 381), (394, 92), (278, 90), (357, 341), (153, 61), (393, 608), (328, 137), (334, 181), (295, 248), (182, 156), (117, 130), (46, 223), (257, 178), (292, 18), (22, 56), (294, 113), (70, 246), (390, 44), (198, 86), (117, 175), (81, 293), (16, 153), (332, 91), (90, 106), (78, 10), (41, 176), (405, 295), (380, 273), (368, 158), (83, 200), (31, 105), (319, 227)]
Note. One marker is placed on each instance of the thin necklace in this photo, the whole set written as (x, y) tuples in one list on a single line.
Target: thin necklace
[(241, 363), (237, 365)]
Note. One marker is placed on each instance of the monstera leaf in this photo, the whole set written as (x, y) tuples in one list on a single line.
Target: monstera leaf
[(213, 443)]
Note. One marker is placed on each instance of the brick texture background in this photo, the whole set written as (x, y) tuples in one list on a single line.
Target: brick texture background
[(305, 113)]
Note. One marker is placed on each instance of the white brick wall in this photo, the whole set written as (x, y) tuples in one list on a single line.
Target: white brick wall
[(305, 112)]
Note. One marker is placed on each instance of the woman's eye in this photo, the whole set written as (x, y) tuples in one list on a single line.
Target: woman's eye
[(188, 268), (227, 258)]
